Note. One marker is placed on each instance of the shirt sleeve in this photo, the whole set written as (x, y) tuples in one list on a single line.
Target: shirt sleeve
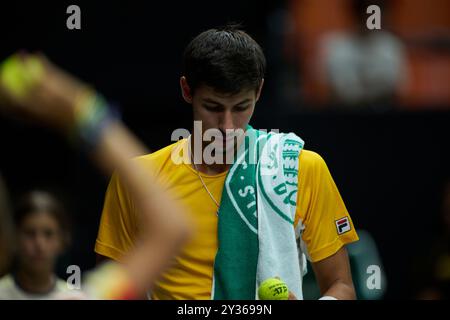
[(320, 208), (118, 227)]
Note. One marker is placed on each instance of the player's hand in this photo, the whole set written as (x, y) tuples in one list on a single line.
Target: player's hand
[(292, 296), (32, 87)]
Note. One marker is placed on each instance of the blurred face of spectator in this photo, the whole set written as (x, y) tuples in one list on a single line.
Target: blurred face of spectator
[(39, 242)]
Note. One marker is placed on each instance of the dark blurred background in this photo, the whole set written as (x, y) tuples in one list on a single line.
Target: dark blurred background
[(374, 103)]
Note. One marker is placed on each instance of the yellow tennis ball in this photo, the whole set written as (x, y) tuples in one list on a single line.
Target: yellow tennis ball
[(273, 289), (17, 75), (11, 74)]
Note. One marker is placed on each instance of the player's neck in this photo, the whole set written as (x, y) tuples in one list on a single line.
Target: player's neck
[(212, 169), (202, 166)]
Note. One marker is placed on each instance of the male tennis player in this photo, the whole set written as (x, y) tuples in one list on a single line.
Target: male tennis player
[(256, 217)]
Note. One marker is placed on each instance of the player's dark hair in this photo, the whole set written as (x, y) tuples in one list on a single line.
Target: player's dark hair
[(226, 59), (42, 202)]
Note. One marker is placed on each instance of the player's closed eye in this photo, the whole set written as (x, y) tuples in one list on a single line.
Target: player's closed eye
[(213, 108)]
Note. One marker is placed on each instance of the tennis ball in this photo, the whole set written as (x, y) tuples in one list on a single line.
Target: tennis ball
[(11, 75), (273, 289), (18, 75)]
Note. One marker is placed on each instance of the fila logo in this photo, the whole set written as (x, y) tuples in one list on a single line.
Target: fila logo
[(342, 225)]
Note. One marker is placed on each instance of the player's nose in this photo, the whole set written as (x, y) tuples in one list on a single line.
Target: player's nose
[(226, 121)]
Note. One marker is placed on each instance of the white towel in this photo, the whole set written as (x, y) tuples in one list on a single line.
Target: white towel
[(277, 183)]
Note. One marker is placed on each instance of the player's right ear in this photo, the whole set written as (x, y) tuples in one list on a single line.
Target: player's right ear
[(185, 90)]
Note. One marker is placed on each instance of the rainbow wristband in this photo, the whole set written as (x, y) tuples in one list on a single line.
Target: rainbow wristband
[(92, 114)]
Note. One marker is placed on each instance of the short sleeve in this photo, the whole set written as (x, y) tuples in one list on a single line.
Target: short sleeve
[(118, 228), (327, 225)]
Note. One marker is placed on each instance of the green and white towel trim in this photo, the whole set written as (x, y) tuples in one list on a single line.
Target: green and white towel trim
[(256, 234)]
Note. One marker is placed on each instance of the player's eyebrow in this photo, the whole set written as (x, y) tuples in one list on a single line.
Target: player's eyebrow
[(243, 102), (208, 100)]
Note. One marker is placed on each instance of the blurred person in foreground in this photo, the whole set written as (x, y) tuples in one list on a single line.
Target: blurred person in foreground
[(33, 88), (252, 223)]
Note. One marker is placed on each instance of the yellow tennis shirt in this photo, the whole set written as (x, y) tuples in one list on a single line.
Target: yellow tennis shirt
[(327, 223)]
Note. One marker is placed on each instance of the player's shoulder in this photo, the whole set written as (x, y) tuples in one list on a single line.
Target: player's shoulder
[(160, 158), (161, 153), (311, 164), (310, 159)]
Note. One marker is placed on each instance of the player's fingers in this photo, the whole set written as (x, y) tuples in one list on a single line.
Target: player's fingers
[(292, 296)]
